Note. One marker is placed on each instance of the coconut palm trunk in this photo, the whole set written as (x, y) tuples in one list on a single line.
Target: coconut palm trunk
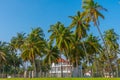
[(35, 71), (77, 65), (71, 69)]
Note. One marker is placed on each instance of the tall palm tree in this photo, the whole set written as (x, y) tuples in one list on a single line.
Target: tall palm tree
[(62, 37), (111, 40), (15, 45), (92, 11), (81, 28), (33, 46), (76, 55)]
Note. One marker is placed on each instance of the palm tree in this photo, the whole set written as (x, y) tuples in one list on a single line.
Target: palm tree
[(51, 54), (80, 25), (76, 55), (33, 46), (15, 45), (62, 37), (17, 41), (92, 12), (111, 39), (81, 28), (94, 48)]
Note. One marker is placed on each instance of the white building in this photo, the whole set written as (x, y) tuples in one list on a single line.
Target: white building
[(62, 64)]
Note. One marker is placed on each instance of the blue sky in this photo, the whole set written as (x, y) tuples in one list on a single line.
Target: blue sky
[(22, 15)]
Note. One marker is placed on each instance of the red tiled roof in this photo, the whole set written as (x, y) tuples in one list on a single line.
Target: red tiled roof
[(62, 60)]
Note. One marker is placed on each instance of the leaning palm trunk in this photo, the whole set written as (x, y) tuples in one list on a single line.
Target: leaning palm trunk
[(85, 51), (83, 44), (106, 49)]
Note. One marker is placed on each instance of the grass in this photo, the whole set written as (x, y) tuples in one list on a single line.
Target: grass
[(60, 79)]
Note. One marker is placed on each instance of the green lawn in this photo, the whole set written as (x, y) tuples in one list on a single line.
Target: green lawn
[(60, 79)]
